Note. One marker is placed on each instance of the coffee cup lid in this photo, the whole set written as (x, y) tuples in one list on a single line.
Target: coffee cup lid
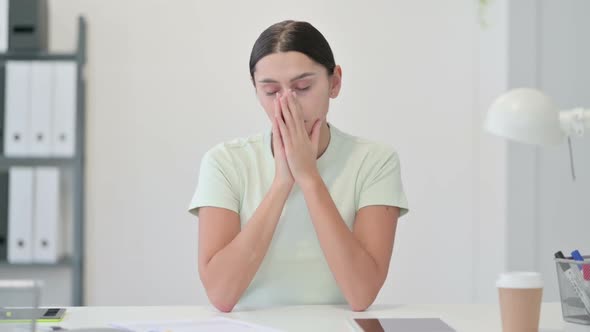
[(520, 280)]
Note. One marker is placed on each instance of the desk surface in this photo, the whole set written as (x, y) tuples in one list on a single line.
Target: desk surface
[(464, 317)]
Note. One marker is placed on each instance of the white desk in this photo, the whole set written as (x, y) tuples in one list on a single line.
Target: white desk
[(468, 317)]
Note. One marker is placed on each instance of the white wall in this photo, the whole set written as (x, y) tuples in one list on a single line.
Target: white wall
[(491, 79), (547, 45), (537, 209), (167, 81), (563, 206)]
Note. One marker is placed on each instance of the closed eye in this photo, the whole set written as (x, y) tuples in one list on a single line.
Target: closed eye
[(297, 89)]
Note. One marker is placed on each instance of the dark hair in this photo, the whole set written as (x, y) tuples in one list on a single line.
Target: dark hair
[(293, 36)]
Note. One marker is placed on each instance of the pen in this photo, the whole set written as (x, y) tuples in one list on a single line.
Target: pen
[(584, 267)]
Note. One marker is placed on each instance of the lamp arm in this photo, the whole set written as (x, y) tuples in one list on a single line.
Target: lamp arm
[(575, 121)]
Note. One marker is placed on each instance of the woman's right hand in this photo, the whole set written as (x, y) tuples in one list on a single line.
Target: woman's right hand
[(283, 174)]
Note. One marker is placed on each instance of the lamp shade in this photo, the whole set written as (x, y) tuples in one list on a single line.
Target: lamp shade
[(525, 115)]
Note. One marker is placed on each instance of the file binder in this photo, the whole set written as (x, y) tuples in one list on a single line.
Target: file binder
[(47, 247), (17, 108), (3, 25), (27, 21), (41, 107), (64, 109), (2, 104), (20, 215), (3, 215)]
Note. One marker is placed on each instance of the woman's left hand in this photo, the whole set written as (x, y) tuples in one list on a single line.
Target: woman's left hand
[(301, 149)]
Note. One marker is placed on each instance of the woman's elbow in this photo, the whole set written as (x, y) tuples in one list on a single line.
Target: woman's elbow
[(218, 296), (362, 301), (223, 306), (360, 306), (220, 300)]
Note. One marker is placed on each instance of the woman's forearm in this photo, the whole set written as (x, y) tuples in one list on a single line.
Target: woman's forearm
[(354, 269), (230, 271)]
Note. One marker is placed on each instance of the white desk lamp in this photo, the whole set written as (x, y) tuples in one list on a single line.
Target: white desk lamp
[(528, 116)]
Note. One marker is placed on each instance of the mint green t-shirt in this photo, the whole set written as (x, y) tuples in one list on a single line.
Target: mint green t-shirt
[(236, 175)]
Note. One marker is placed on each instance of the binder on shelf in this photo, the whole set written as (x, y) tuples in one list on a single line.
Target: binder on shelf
[(27, 21), (64, 109), (3, 25), (48, 246), (41, 108), (20, 215), (17, 108), (66, 208), (2, 104), (3, 215)]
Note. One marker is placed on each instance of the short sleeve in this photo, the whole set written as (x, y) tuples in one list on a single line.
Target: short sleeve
[(217, 184), (382, 183)]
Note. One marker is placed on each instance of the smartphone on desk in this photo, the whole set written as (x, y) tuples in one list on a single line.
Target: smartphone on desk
[(401, 324), (27, 314)]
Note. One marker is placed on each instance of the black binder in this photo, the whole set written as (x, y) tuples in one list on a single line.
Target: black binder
[(4, 215), (27, 25)]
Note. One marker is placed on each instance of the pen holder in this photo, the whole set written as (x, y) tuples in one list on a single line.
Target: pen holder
[(574, 290)]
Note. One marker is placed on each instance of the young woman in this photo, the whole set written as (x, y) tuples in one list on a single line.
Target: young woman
[(304, 213)]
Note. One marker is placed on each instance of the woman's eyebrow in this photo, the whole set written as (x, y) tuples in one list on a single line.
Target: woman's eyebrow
[(298, 77)]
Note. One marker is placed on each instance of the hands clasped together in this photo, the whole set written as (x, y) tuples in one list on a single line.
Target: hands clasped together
[(295, 150)]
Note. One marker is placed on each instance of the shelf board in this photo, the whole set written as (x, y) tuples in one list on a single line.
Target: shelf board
[(64, 262), (7, 162), (37, 55)]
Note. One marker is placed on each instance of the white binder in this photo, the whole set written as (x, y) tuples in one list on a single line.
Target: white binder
[(17, 108), (41, 108), (64, 109), (47, 247), (20, 215), (4, 25)]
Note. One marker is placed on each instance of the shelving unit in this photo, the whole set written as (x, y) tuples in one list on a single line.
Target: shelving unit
[(75, 260)]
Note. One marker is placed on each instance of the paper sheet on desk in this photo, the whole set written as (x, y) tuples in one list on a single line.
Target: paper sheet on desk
[(216, 324)]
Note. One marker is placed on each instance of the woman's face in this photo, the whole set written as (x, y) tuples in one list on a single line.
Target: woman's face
[(279, 72)]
